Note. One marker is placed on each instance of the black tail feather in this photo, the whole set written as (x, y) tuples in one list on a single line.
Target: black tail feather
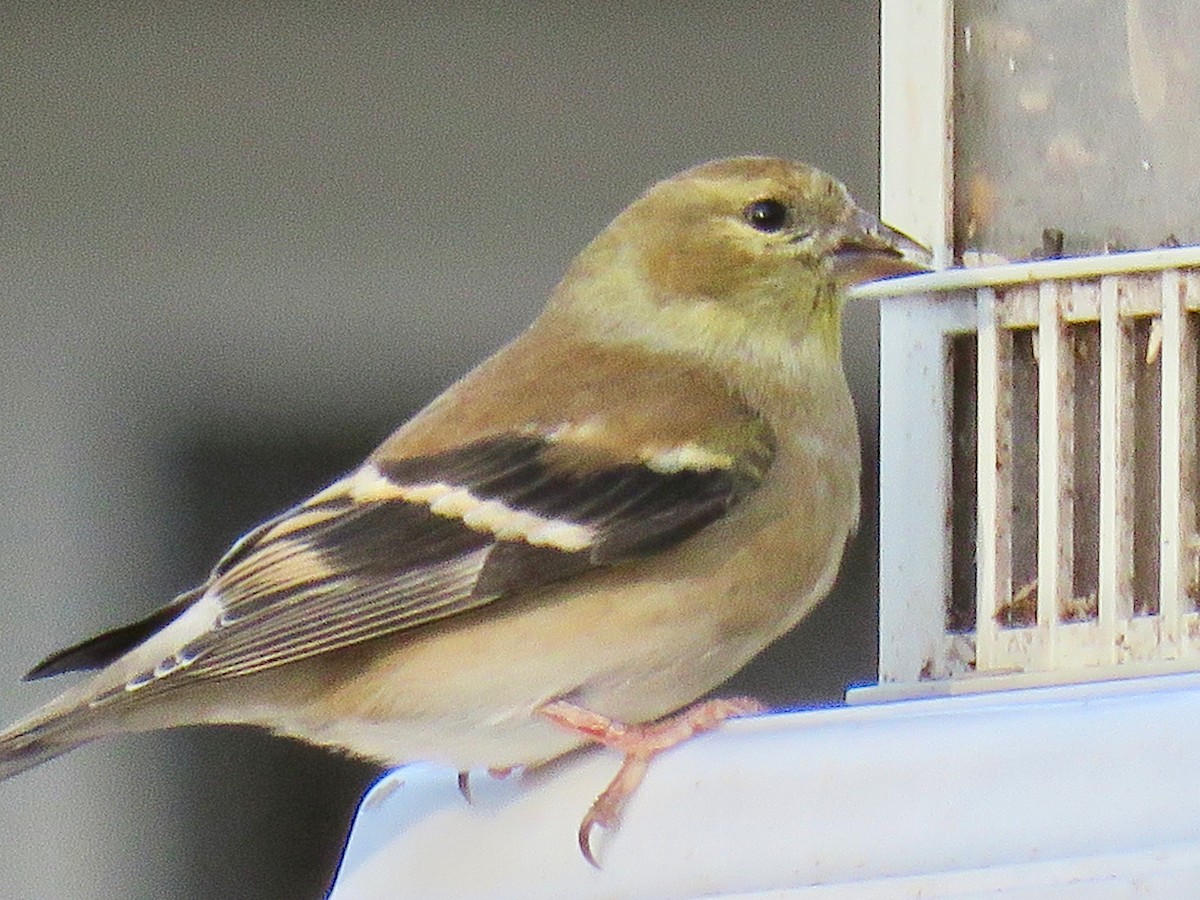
[(97, 652)]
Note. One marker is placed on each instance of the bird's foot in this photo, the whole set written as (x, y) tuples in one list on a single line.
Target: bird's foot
[(640, 743)]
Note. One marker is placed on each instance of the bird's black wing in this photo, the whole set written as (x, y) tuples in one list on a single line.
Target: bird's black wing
[(400, 544)]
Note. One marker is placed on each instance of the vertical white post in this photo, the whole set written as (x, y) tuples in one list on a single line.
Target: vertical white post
[(993, 477), (1189, 427), (916, 160), (1055, 465), (916, 193), (1116, 471)]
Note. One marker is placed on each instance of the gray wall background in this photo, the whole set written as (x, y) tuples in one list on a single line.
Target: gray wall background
[(238, 244)]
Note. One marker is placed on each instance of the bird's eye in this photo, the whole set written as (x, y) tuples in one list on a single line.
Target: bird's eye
[(766, 215)]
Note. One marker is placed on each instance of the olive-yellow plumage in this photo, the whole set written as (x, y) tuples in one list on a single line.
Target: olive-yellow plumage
[(596, 526)]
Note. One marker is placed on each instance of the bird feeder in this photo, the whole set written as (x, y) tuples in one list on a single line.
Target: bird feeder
[(1039, 434)]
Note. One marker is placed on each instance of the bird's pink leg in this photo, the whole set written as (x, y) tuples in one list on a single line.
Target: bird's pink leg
[(640, 743)]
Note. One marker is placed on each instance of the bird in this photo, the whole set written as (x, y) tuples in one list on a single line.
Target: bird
[(574, 543)]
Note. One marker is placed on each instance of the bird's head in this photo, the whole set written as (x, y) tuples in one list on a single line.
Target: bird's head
[(752, 223), (747, 254)]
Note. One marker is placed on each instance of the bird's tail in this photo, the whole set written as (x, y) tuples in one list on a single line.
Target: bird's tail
[(48, 733)]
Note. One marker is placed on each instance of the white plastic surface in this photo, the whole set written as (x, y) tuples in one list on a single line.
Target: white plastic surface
[(1067, 792)]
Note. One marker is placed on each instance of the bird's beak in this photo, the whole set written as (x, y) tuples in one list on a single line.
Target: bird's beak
[(864, 249)]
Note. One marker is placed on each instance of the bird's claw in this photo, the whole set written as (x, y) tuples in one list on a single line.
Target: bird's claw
[(464, 779), (640, 744), (605, 811)]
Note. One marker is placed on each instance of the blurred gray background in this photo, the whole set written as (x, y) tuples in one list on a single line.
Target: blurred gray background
[(238, 244)]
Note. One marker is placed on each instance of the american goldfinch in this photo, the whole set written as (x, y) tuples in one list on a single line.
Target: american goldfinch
[(592, 529)]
